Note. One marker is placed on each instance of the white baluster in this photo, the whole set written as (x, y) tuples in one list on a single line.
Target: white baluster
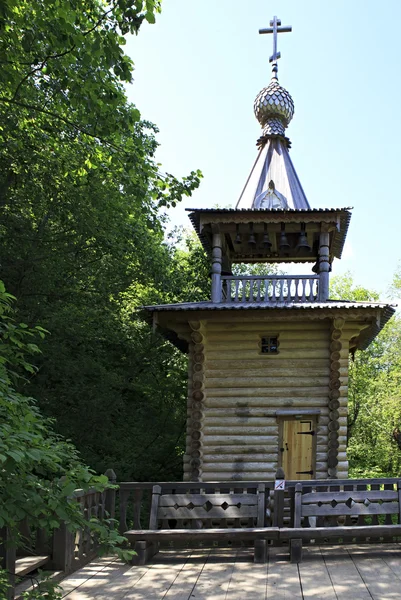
[(259, 281), (236, 289), (274, 282), (281, 298), (267, 298), (311, 290), (304, 281), (228, 290), (244, 283)]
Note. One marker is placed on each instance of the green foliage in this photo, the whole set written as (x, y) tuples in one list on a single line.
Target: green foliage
[(374, 420), (81, 237), (44, 588), (39, 469), (4, 583), (342, 287)]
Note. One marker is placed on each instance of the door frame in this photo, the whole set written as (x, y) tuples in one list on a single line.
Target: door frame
[(301, 416)]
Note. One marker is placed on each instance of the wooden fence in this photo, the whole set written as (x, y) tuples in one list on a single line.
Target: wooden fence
[(68, 551), (64, 550)]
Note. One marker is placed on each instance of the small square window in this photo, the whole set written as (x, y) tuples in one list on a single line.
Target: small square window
[(269, 344)]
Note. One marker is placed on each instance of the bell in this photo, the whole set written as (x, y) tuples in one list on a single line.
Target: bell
[(266, 241), (302, 242), (284, 246), (252, 239), (238, 238)]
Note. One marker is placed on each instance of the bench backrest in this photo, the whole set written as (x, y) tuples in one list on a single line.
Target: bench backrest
[(207, 510), (352, 503)]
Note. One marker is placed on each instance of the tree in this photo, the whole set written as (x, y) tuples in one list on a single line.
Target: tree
[(39, 469), (374, 420), (81, 237)]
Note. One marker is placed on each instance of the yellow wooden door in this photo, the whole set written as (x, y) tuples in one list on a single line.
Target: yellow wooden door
[(297, 448)]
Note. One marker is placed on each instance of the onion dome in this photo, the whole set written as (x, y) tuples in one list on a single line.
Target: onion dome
[(274, 108)]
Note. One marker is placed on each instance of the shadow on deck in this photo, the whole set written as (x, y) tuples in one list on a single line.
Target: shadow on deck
[(327, 572)]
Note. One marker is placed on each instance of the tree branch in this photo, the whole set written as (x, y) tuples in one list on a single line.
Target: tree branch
[(59, 118)]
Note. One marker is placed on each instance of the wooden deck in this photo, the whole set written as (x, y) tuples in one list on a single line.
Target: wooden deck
[(326, 573)]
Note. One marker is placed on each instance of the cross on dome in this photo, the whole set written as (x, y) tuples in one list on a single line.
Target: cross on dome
[(275, 28)]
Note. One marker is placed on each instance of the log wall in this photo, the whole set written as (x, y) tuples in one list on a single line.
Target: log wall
[(235, 392)]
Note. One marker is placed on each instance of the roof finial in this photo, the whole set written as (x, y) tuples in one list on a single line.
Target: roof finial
[(275, 28)]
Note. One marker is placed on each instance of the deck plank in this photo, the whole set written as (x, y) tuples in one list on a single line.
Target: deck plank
[(85, 574), (248, 579), (186, 580), (112, 582), (315, 579), (358, 572), (381, 580), (282, 577), (162, 572), (216, 574), (345, 577)]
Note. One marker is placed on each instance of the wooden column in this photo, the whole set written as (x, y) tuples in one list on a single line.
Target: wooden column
[(334, 395), (196, 399), (324, 266), (216, 267)]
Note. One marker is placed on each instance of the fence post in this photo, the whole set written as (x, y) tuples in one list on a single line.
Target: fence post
[(63, 548), (278, 514), (110, 503), (7, 559)]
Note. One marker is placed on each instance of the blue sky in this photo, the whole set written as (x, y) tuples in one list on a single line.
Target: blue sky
[(200, 67)]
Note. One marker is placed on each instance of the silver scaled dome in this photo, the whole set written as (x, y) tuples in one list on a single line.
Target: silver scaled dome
[(274, 108)]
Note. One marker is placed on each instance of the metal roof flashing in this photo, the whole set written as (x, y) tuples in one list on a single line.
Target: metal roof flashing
[(385, 312)]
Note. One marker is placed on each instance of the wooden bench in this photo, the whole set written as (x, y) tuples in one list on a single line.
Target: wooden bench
[(205, 517), (337, 507)]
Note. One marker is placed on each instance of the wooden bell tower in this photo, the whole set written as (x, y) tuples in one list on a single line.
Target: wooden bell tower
[(268, 355)]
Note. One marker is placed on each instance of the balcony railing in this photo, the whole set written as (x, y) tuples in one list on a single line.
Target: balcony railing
[(270, 289)]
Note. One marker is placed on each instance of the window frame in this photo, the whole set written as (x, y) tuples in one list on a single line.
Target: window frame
[(269, 343)]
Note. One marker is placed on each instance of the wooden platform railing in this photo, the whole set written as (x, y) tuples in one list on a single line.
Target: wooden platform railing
[(269, 288), (135, 497), (64, 550), (70, 550), (346, 485)]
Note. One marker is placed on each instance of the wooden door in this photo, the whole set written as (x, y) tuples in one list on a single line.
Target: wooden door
[(297, 448)]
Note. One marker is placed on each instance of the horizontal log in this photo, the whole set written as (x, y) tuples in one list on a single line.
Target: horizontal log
[(234, 411), (262, 401), (317, 533), (176, 535), (258, 362), (253, 344), (266, 381), (245, 440), (269, 449), (292, 392), (275, 325), (245, 419), (243, 430), (237, 467), (309, 353), (286, 335), (256, 457), (245, 477), (275, 371), (238, 422)]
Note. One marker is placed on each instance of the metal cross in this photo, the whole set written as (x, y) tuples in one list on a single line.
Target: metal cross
[(275, 28)]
